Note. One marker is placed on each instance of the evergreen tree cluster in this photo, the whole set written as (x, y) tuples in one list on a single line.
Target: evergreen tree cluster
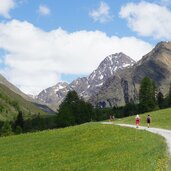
[(21, 125), (147, 100), (74, 110)]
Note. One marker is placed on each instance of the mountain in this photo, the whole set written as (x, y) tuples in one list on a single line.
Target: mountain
[(156, 65), (106, 69), (86, 86), (11, 103), (53, 96), (5, 82), (124, 86)]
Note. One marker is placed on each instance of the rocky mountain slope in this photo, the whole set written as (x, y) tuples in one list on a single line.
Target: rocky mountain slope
[(53, 96), (123, 87), (86, 86)]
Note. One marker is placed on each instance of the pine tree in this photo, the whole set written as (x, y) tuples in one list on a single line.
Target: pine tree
[(19, 122), (147, 95), (160, 100), (169, 96), (74, 110), (6, 129), (154, 91)]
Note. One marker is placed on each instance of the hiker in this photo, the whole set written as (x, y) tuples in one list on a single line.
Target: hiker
[(148, 121), (110, 118), (113, 117), (137, 120)]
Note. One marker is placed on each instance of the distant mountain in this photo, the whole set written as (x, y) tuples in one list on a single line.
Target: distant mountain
[(11, 103), (5, 82), (124, 86), (53, 96), (107, 68), (86, 86)]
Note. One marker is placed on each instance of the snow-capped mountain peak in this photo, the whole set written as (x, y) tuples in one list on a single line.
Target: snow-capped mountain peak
[(59, 86), (110, 65), (87, 86)]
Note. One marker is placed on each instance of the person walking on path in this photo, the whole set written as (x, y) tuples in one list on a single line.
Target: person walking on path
[(148, 121), (137, 120)]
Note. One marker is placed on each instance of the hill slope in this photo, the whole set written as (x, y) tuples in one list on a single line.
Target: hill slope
[(90, 146), (160, 119), (11, 103), (6, 83)]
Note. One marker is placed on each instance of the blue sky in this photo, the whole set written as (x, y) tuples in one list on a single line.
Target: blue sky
[(43, 42), (74, 15)]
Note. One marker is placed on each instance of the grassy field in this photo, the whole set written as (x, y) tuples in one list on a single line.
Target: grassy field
[(90, 146), (160, 119)]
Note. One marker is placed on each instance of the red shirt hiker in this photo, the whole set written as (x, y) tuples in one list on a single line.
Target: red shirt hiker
[(137, 120)]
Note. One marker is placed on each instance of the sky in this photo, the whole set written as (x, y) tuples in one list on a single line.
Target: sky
[(43, 42)]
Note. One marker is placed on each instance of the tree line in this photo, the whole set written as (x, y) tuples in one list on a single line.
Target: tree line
[(74, 110), (150, 99)]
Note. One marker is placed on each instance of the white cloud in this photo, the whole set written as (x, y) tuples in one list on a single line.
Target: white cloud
[(148, 19), (102, 14), (36, 59), (44, 10), (5, 7)]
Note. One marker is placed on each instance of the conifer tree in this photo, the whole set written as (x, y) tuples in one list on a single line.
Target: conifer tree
[(169, 96), (160, 100), (6, 129), (19, 122), (74, 110), (147, 95)]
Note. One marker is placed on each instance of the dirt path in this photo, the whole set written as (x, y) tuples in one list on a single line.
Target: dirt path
[(163, 132)]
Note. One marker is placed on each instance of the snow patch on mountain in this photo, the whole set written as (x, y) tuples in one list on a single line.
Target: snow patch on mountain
[(87, 86)]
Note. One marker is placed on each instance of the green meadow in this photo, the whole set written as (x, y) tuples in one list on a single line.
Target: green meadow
[(90, 146), (160, 119)]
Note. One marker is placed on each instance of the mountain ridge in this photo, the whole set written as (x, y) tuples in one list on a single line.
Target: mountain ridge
[(5, 82), (11, 103), (87, 86), (156, 65), (116, 81)]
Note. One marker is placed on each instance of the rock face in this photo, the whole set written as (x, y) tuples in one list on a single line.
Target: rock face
[(156, 65), (124, 86), (107, 69), (87, 87), (53, 96)]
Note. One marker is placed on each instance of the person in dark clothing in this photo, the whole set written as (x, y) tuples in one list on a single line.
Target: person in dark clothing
[(148, 121)]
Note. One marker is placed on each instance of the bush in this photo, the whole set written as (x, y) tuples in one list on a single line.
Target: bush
[(18, 130), (6, 129)]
